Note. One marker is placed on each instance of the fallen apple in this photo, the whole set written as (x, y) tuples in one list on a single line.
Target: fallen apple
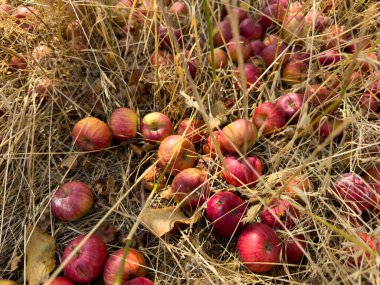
[(242, 171), (154, 178), (139, 281), (268, 117), (293, 249), (58, 281), (238, 136), (209, 147), (191, 129), (155, 127), (291, 104), (280, 214), (123, 123)]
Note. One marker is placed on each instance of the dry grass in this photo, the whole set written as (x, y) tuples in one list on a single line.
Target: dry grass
[(36, 141)]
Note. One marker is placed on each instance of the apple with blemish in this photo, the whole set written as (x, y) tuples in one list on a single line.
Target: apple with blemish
[(268, 117), (123, 123), (359, 256), (238, 136), (271, 39), (242, 171), (315, 19), (154, 178), (161, 57), (317, 94), (155, 127)]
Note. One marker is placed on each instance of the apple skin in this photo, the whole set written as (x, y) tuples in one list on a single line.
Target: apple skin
[(271, 39), (152, 177), (317, 94), (123, 123), (155, 127), (226, 210), (376, 202), (292, 253), (164, 37), (259, 247), (240, 135), (252, 74), (320, 21), (220, 58), (280, 210), (25, 17), (294, 72), (72, 201), (250, 29), (296, 184), (354, 191), (222, 33), (372, 174), (192, 129), (161, 57), (91, 134), (190, 188), (233, 49), (239, 12), (361, 255), (139, 280), (271, 53), (89, 261), (291, 104), (134, 266), (59, 281), (326, 127), (241, 172), (269, 117), (208, 146), (176, 153), (256, 47)]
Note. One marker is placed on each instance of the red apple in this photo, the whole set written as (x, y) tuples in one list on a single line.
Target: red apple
[(317, 94), (359, 256), (370, 62), (165, 39), (259, 247), (250, 29), (208, 146), (89, 261), (239, 12), (256, 47), (334, 36), (357, 44), (291, 104), (269, 117), (72, 201), (274, 52), (155, 127), (252, 75), (139, 281), (190, 188), (225, 211), (294, 72), (298, 184), (152, 177), (59, 281), (242, 171), (293, 249), (376, 202), (233, 49), (294, 28), (326, 126), (222, 33), (176, 153), (314, 17), (91, 134), (123, 123), (179, 8), (191, 129), (353, 191), (134, 266), (18, 62), (329, 57), (240, 135), (372, 174), (220, 58), (368, 103), (272, 12), (279, 215)]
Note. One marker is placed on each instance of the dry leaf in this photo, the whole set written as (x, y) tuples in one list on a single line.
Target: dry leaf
[(162, 221), (14, 262), (252, 214), (40, 260), (138, 151), (70, 162)]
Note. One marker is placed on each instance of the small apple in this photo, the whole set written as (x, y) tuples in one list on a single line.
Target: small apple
[(139, 281), (298, 184), (291, 104), (222, 33), (89, 261), (268, 117), (155, 127), (259, 247), (329, 57), (123, 123), (294, 72), (190, 188), (220, 58), (274, 53), (72, 201), (191, 129), (252, 75), (317, 94), (353, 191), (134, 266), (225, 211), (279, 215), (256, 47), (272, 13), (293, 249), (240, 135), (250, 29), (152, 179), (91, 134), (59, 281), (175, 154), (242, 171), (208, 146), (233, 49)]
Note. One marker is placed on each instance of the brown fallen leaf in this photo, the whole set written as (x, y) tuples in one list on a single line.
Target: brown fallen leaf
[(14, 262), (40, 261), (162, 221), (70, 162)]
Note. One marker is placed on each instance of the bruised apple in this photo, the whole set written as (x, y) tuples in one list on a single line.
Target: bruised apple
[(242, 171), (175, 154), (123, 123), (91, 134), (190, 188), (154, 178), (238, 136)]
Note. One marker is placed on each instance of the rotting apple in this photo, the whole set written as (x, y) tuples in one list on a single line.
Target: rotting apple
[(293, 249), (225, 211), (271, 39), (25, 17), (59, 281), (192, 129), (280, 214), (44, 56), (242, 171), (134, 266), (91, 134), (123, 123), (72, 201), (190, 188), (294, 72), (268, 117), (155, 127), (175, 154), (240, 135), (152, 179), (88, 263), (354, 191), (291, 104), (259, 247)]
